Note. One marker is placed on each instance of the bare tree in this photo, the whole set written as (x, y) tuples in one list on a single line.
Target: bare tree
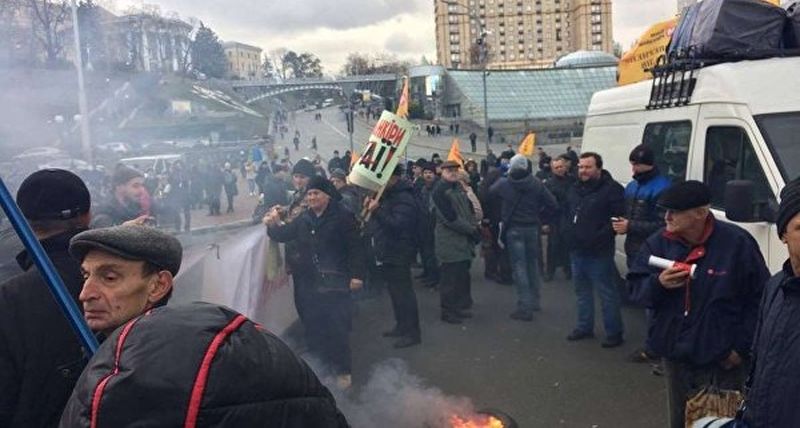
[(48, 18), (281, 69)]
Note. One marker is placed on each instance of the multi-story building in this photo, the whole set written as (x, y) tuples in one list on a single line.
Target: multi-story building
[(519, 33), (244, 61)]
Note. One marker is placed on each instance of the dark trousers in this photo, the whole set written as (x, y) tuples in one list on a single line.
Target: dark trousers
[(454, 288), (327, 320), (430, 266), (497, 262), (557, 253), (684, 381), (404, 301), (214, 205)]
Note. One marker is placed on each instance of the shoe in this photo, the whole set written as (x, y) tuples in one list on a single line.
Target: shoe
[(640, 355), (580, 335), (613, 341), (344, 382), (463, 314), (451, 319), (521, 315), (406, 342), (392, 333), (657, 369)]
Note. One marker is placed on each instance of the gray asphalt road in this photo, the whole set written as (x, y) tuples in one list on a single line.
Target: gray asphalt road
[(528, 370)]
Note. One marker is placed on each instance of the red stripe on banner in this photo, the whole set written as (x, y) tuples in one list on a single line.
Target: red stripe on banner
[(205, 366), (101, 386)]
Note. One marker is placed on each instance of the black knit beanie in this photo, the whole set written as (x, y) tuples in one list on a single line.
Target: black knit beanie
[(790, 205)]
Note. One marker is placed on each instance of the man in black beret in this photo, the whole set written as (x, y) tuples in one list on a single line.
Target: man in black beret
[(772, 398), (40, 355), (127, 271), (703, 324), (125, 204)]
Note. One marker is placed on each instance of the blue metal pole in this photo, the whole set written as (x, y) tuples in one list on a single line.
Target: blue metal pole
[(48, 271)]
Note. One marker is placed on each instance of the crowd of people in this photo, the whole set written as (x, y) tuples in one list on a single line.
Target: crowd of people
[(718, 326)]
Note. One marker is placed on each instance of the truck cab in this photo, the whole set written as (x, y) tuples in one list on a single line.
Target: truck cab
[(737, 130)]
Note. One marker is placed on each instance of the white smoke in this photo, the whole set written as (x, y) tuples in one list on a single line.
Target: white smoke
[(395, 397)]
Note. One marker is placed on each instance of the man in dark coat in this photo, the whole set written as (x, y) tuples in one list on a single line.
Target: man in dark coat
[(642, 215), (496, 261), (392, 232), (40, 355), (525, 199), (703, 325), (430, 266), (336, 162), (329, 264), (558, 184), (593, 200), (772, 397), (125, 203), (198, 365)]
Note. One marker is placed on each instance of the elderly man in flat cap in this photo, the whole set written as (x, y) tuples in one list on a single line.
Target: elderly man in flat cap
[(703, 323), (772, 397), (127, 270), (40, 356)]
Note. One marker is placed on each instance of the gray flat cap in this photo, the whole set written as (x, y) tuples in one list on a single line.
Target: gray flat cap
[(133, 243)]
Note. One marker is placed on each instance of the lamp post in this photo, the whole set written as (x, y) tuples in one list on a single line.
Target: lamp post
[(482, 58), (86, 143)]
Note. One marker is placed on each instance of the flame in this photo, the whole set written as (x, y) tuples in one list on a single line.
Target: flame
[(479, 422)]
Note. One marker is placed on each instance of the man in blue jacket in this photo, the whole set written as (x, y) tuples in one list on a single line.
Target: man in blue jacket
[(703, 325), (642, 215), (772, 398)]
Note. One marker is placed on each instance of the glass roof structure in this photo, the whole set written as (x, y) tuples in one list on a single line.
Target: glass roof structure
[(534, 94), (587, 59)]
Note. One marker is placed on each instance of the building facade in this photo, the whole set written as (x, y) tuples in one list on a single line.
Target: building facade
[(519, 34), (244, 61)]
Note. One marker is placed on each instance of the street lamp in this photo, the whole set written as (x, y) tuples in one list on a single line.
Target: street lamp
[(482, 59), (82, 104)]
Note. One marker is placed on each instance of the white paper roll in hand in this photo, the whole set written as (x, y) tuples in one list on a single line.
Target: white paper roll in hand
[(662, 263)]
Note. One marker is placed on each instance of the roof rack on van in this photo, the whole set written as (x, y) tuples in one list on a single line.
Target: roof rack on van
[(674, 81)]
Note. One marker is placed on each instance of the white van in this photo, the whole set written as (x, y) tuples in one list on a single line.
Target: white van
[(738, 130)]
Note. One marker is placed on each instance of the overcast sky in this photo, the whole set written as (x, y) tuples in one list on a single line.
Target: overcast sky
[(331, 29)]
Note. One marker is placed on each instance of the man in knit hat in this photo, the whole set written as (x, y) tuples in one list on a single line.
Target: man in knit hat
[(328, 263), (40, 355), (128, 193), (772, 398), (703, 322), (642, 216), (524, 199)]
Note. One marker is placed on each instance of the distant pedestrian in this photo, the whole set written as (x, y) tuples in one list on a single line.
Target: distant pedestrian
[(473, 142)]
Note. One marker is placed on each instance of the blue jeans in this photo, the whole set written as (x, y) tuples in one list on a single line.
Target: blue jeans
[(596, 272), (523, 249)]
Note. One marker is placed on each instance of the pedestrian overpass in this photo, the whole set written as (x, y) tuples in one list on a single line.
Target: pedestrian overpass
[(256, 90)]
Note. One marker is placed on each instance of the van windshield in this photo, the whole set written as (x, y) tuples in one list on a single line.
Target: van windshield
[(781, 133)]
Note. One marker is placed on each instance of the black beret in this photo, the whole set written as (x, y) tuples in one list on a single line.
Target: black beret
[(140, 243), (790, 205), (304, 167), (421, 162), (123, 174), (53, 194), (399, 170), (339, 173), (429, 166), (643, 155), (323, 185), (685, 195)]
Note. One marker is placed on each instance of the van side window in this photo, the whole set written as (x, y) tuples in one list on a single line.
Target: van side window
[(670, 143), (730, 156)]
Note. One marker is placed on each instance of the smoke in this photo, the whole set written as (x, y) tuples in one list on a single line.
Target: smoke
[(395, 397)]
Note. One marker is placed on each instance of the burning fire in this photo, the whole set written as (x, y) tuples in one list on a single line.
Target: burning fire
[(478, 422)]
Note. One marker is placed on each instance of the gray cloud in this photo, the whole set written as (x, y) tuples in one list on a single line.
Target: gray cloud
[(632, 17), (292, 16)]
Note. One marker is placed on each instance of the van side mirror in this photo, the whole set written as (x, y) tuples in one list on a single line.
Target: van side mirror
[(740, 201)]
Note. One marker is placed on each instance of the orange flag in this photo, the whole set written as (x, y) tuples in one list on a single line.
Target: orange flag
[(455, 153), (402, 106), (527, 145), (354, 158)]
